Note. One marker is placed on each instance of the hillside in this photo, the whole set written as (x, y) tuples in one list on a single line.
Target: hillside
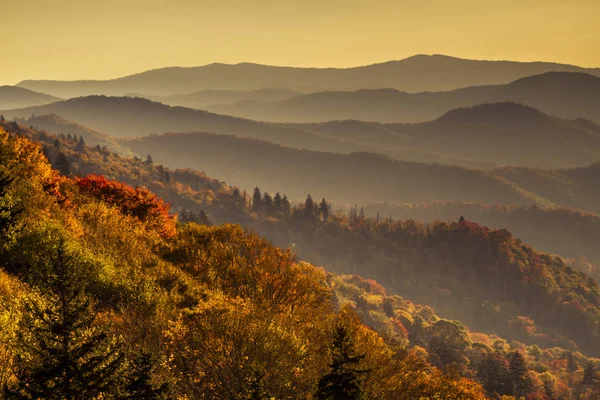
[(519, 135), (413, 74), (58, 125), (573, 187), (508, 134), (568, 232), (402, 319), (18, 97), (345, 178), (563, 94), (132, 117), (103, 267)]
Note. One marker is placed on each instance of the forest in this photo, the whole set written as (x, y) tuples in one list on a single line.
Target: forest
[(151, 290)]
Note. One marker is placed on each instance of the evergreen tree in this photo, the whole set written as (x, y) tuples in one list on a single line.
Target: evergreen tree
[(61, 354), (343, 381), (518, 374), (2, 118), (256, 200), (138, 385), (324, 210), (8, 208), (81, 144), (268, 203), (285, 205), (62, 164), (149, 160), (309, 208), (277, 202)]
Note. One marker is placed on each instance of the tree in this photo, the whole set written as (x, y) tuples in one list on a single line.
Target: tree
[(324, 210), (343, 381), (2, 118), (81, 144), (61, 354), (309, 208), (139, 384), (285, 205), (277, 202), (267, 203), (517, 370), (149, 160), (256, 200), (8, 207), (62, 164)]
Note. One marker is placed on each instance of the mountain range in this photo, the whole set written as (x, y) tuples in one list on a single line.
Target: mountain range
[(18, 97), (484, 137), (563, 94), (414, 74)]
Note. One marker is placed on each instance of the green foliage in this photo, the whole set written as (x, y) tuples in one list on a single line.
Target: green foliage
[(61, 354), (343, 381)]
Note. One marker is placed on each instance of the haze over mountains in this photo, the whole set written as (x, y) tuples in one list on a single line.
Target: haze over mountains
[(414, 74), (484, 136), (204, 98), (17, 97), (563, 94)]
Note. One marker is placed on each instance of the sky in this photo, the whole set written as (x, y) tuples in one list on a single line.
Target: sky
[(84, 39)]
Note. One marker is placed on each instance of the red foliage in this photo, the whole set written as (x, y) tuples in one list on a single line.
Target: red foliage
[(139, 203)]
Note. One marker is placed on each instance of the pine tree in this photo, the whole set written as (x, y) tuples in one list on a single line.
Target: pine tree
[(256, 200), (277, 202), (2, 118), (62, 164), (309, 208), (285, 205), (8, 208), (267, 203), (81, 144), (324, 210), (343, 381), (138, 385), (518, 374), (61, 354), (149, 160)]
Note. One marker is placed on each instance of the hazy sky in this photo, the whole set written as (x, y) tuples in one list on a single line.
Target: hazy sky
[(75, 39)]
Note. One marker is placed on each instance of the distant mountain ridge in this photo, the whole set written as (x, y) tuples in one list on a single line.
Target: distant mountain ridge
[(482, 137), (564, 94), (413, 74), (18, 97)]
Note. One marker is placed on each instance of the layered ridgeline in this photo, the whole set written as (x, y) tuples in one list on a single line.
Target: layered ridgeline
[(18, 97), (413, 74), (483, 136), (219, 286), (564, 94), (103, 294)]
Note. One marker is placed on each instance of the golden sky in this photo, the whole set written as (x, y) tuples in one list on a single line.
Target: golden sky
[(84, 39)]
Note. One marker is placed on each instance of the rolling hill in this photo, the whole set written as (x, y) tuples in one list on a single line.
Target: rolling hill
[(509, 134), (564, 94), (482, 137), (18, 97), (344, 178), (413, 74)]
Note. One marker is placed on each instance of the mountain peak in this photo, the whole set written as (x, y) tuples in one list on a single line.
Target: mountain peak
[(502, 110)]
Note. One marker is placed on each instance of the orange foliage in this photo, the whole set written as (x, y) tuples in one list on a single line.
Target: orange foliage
[(139, 203)]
